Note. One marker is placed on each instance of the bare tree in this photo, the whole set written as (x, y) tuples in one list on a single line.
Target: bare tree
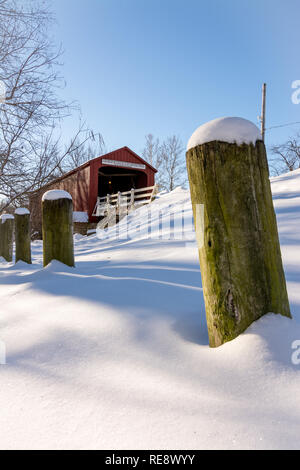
[(80, 152), (151, 152), (286, 156), (173, 170), (48, 163), (167, 158), (30, 152)]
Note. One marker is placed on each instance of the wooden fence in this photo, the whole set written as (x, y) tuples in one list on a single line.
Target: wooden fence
[(124, 201)]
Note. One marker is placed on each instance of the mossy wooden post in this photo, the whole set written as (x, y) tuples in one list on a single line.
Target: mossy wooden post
[(6, 236), (240, 258), (57, 214), (22, 235)]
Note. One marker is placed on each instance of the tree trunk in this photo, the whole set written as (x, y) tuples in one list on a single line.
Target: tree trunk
[(58, 231), (240, 260), (22, 237)]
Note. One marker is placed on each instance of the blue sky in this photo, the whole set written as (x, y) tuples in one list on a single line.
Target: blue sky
[(167, 66)]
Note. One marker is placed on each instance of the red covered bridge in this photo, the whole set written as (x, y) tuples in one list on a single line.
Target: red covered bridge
[(120, 170)]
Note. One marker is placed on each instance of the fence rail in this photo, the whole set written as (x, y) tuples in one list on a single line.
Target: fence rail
[(131, 199)]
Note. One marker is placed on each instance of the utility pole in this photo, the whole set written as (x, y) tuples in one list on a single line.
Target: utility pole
[(263, 112)]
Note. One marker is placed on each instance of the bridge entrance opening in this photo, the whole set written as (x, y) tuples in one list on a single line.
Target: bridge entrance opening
[(112, 180)]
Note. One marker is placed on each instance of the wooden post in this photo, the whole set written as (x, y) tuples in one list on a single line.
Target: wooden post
[(57, 211), (6, 236), (263, 111), (131, 198), (154, 192), (118, 206), (97, 206), (22, 235), (107, 203), (240, 259)]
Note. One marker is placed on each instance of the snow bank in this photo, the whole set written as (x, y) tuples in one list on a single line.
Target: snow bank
[(55, 194), (22, 211), (114, 353), (226, 129), (79, 216), (153, 221), (287, 184), (5, 217)]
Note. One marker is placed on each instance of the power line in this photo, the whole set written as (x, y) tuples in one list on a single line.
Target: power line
[(262, 118), (283, 125)]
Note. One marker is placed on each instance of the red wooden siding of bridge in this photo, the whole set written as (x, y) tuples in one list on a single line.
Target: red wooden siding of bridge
[(82, 182)]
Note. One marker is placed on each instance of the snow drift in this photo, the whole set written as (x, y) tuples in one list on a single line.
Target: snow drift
[(114, 353)]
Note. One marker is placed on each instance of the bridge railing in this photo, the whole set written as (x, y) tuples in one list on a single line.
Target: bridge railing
[(130, 200)]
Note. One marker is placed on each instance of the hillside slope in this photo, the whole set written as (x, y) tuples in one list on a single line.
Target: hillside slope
[(114, 353)]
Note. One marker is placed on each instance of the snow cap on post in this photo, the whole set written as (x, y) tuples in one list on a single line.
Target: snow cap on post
[(55, 194), (5, 217), (226, 129), (22, 211)]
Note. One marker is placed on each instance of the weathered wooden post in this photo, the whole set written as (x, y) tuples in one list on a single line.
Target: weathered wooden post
[(22, 235), (107, 202), (57, 212), (6, 236), (131, 204), (240, 259)]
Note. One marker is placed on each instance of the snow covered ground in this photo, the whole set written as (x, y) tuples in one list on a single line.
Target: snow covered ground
[(114, 353)]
